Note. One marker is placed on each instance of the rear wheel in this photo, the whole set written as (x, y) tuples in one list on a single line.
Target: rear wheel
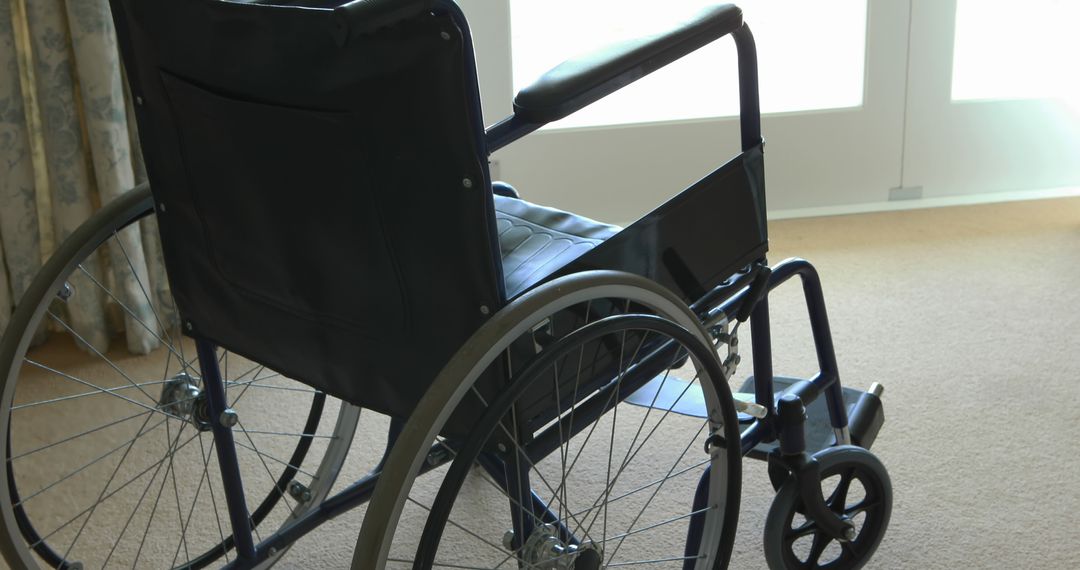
[(558, 469), (109, 461)]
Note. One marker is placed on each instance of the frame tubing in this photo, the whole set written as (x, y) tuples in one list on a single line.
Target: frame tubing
[(749, 103), (355, 495), (514, 479), (829, 378), (507, 131), (761, 340), (226, 451)]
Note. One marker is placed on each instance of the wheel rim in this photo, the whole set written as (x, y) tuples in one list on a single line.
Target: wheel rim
[(107, 461), (373, 549)]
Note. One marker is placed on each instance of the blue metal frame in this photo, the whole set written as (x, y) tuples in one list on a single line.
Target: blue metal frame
[(726, 299), (827, 379), (239, 517)]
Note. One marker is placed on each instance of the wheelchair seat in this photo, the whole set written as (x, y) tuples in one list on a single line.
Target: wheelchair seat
[(535, 241)]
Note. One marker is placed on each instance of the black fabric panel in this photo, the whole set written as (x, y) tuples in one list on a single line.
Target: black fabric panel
[(698, 238), (315, 219)]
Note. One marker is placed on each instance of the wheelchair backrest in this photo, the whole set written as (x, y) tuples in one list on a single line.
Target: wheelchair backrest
[(322, 188)]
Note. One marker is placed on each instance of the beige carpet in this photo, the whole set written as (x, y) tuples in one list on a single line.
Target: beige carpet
[(969, 317)]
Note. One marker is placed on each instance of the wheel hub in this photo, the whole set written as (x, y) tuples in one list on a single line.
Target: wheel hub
[(544, 550), (181, 397)]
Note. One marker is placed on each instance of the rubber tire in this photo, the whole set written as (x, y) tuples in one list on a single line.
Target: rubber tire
[(449, 387), (830, 460)]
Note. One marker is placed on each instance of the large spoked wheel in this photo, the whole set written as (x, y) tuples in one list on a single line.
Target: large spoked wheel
[(109, 461), (854, 484), (554, 468)]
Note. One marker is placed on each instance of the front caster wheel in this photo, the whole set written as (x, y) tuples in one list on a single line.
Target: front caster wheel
[(855, 485)]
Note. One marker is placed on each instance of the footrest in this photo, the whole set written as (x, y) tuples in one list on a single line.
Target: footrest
[(818, 428), (667, 392)]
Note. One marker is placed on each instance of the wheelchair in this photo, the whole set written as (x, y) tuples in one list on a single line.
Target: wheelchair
[(558, 390)]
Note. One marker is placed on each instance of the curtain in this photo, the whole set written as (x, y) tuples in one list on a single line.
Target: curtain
[(67, 147)]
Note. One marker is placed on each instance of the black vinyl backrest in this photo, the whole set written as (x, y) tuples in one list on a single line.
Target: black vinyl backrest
[(312, 190)]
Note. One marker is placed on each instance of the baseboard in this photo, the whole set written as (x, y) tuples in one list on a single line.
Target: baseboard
[(940, 202)]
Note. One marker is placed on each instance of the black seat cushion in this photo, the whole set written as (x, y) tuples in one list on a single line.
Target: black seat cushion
[(537, 241)]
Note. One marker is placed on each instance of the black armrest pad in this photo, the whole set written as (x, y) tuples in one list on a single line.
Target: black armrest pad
[(575, 83)]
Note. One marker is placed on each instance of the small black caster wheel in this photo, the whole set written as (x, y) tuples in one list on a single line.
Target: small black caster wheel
[(854, 484)]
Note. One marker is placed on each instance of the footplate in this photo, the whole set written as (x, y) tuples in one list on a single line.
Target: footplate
[(865, 417)]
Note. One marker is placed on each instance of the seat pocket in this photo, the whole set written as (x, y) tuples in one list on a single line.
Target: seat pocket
[(289, 215)]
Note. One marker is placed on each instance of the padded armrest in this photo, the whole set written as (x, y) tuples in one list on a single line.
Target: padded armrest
[(358, 17), (578, 82)]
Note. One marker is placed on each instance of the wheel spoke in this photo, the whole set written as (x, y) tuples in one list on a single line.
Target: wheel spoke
[(135, 275), (269, 387), (584, 444), (276, 460), (658, 487), (810, 527), (84, 395), (630, 457), (68, 522), (153, 510), (168, 344), (176, 495), (514, 501), (245, 389), (838, 499), (649, 485), (76, 436), (293, 434), (653, 561), (103, 390), (131, 517), (269, 474), (518, 449), (184, 525), (820, 542), (142, 431), (496, 547), (862, 506), (656, 525), (102, 356)]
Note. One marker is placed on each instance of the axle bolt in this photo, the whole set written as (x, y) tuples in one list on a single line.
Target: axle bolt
[(66, 291), (229, 418), (299, 491), (849, 533)]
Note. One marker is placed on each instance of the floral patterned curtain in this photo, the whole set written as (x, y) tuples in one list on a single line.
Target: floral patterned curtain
[(68, 146)]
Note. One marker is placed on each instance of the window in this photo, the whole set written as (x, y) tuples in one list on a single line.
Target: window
[(1009, 50)]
